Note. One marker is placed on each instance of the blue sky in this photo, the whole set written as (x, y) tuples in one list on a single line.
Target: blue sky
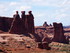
[(43, 10)]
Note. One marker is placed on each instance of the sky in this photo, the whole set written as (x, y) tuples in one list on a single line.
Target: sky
[(43, 10)]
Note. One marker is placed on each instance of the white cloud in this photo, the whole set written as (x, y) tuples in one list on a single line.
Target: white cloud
[(54, 3), (39, 14), (25, 7), (1, 6), (60, 16), (37, 0), (13, 3), (64, 2), (58, 8)]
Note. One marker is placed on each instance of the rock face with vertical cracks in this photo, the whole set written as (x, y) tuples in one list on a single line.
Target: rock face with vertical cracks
[(30, 22), (5, 23), (17, 25), (59, 33)]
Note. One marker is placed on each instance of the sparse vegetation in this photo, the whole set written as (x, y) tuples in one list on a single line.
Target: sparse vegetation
[(60, 47), (28, 45)]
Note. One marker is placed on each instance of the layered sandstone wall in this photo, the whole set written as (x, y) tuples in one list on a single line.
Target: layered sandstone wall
[(59, 33), (5, 23)]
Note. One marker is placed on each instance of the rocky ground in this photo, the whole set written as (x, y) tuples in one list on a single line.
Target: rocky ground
[(20, 43)]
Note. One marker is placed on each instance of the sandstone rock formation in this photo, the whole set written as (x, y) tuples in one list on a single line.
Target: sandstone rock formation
[(16, 26), (43, 45), (59, 33), (23, 19), (26, 24), (5, 23), (30, 22), (45, 24)]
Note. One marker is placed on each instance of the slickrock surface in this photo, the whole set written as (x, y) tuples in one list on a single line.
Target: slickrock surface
[(25, 44), (12, 42), (49, 32), (59, 33)]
